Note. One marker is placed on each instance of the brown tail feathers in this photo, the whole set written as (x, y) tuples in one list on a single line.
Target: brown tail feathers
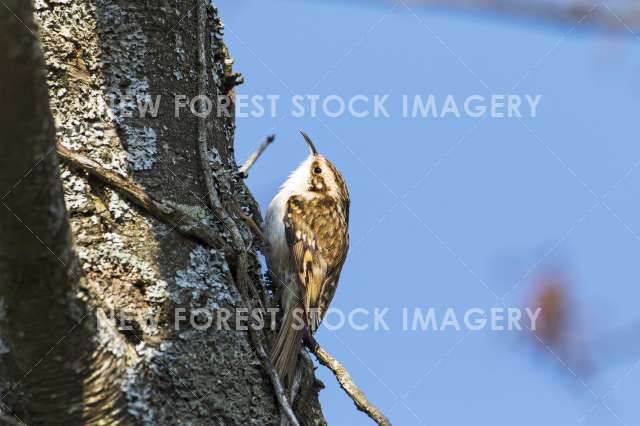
[(287, 347)]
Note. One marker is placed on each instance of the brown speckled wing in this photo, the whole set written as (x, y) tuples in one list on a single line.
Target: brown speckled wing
[(317, 234)]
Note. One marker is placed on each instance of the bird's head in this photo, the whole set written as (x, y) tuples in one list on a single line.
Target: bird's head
[(322, 177)]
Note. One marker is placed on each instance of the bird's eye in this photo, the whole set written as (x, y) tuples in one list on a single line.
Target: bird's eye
[(317, 170)]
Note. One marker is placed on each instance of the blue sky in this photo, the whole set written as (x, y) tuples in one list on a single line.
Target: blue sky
[(449, 212)]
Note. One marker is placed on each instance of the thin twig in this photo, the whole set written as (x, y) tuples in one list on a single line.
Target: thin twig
[(244, 170), (341, 373), (273, 375), (171, 215), (243, 173), (242, 276)]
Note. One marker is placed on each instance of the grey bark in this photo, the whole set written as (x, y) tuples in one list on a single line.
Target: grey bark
[(70, 278)]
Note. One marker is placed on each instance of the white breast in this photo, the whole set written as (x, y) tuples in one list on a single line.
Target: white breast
[(279, 257)]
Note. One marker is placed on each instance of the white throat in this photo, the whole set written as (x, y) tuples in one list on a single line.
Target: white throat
[(298, 179)]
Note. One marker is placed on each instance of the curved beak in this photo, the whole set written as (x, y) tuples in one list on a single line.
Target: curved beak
[(307, 139)]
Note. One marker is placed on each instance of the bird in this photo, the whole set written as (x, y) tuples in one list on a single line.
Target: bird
[(307, 230)]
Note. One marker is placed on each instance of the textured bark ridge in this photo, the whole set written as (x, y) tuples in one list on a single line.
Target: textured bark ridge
[(127, 265)]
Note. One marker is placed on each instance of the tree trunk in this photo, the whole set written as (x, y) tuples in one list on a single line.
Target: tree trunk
[(88, 295)]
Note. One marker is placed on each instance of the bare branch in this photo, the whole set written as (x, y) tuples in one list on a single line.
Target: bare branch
[(243, 173), (244, 170), (171, 215), (347, 384), (275, 380)]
